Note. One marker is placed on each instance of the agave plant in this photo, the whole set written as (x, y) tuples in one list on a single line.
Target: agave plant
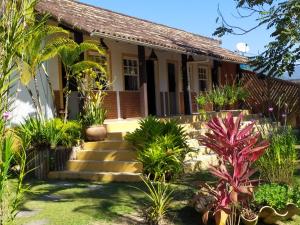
[(237, 149)]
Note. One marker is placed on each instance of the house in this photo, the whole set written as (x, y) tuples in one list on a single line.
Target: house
[(154, 69)]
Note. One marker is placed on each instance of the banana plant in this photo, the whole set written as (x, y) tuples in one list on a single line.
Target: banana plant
[(70, 56)]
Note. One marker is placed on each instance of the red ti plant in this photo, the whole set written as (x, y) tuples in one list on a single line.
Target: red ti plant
[(237, 149)]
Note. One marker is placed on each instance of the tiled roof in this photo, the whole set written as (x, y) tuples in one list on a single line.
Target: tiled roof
[(105, 23)]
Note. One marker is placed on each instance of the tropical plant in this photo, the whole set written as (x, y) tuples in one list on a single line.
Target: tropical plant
[(39, 47), (217, 97), (162, 158), (17, 22), (278, 163), (92, 85), (71, 58), (161, 146), (38, 134), (151, 128), (159, 197), (237, 149), (201, 101), (93, 111)]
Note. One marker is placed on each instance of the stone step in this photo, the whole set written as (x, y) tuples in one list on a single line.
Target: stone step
[(106, 155), (96, 176), (104, 166), (201, 163), (107, 145)]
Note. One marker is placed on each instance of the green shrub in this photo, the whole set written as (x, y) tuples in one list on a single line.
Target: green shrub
[(161, 146), (36, 133), (278, 163), (162, 157), (274, 195)]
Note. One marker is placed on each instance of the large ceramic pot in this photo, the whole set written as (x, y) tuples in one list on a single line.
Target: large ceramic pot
[(96, 133), (270, 216)]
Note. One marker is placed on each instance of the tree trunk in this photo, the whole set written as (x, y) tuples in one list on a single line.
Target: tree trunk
[(51, 90), (37, 91), (33, 101), (67, 99)]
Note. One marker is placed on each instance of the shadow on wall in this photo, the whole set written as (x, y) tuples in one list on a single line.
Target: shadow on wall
[(23, 106)]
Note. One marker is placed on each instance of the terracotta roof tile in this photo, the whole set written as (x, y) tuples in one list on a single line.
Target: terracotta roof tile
[(102, 22)]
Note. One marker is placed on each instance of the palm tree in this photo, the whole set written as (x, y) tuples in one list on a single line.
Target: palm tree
[(70, 56), (39, 47)]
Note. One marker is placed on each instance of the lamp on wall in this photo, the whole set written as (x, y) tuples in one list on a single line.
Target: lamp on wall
[(190, 58), (103, 45), (153, 56)]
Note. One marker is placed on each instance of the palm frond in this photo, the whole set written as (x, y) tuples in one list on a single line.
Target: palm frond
[(84, 65)]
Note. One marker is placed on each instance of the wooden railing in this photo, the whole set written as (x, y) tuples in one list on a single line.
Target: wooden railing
[(266, 92)]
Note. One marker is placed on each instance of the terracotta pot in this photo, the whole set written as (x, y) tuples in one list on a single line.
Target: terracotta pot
[(221, 217), (249, 222), (96, 133)]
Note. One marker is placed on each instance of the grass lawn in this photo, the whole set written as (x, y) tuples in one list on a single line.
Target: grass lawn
[(87, 203)]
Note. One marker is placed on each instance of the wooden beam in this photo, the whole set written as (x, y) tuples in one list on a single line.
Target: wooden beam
[(142, 65), (215, 73), (186, 89)]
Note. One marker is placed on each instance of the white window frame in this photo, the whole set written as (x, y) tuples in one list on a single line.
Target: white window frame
[(137, 75), (201, 67)]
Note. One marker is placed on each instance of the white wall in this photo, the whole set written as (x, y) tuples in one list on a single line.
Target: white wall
[(23, 106)]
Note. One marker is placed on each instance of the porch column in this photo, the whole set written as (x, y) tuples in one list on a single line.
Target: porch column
[(143, 81), (186, 87), (215, 73)]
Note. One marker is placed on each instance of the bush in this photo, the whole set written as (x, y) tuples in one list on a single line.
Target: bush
[(278, 163), (161, 146), (36, 133), (274, 195), (162, 157)]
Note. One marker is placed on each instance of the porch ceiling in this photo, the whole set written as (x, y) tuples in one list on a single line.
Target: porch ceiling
[(97, 21)]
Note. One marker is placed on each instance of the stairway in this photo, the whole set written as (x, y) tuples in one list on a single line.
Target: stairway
[(105, 161)]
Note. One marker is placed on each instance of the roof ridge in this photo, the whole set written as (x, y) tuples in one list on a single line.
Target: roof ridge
[(145, 20)]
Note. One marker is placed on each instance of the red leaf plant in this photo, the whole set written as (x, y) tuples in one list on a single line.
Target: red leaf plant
[(237, 149)]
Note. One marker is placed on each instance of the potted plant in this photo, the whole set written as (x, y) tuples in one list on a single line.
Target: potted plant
[(93, 117), (237, 149)]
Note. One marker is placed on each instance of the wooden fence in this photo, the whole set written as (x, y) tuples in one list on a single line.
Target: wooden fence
[(41, 161), (266, 92)]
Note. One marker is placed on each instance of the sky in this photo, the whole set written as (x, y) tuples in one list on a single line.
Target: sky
[(197, 16)]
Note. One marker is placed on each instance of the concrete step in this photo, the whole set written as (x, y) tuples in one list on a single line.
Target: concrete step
[(127, 125), (116, 136), (104, 166), (106, 155), (106, 145), (96, 176)]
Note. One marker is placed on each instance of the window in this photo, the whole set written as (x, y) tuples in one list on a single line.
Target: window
[(203, 78), (131, 74)]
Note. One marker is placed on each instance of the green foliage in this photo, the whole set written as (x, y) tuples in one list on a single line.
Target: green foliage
[(276, 195), (159, 197), (70, 56), (161, 146), (36, 133), (162, 157), (220, 96), (278, 163), (282, 18)]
